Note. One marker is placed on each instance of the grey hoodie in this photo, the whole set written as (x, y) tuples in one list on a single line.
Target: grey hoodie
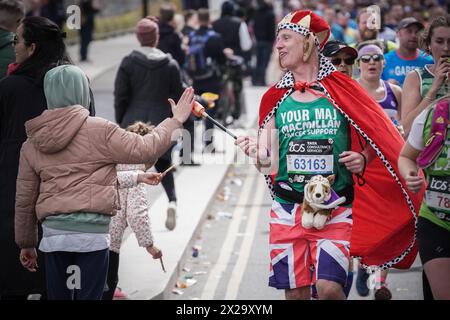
[(147, 77), (151, 57)]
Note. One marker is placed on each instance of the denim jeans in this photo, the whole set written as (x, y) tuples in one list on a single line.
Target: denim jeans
[(76, 275)]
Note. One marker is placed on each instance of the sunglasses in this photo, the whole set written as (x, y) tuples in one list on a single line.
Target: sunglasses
[(367, 57), (15, 40), (347, 61)]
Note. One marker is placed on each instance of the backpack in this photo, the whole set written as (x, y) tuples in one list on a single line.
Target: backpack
[(198, 65)]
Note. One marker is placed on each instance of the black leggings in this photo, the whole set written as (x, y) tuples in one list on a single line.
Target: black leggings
[(168, 181), (434, 242)]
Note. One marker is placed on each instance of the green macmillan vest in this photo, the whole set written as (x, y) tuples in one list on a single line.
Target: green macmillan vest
[(311, 137), (426, 80), (436, 204)]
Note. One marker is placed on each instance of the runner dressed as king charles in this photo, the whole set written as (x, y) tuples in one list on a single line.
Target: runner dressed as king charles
[(317, 121)]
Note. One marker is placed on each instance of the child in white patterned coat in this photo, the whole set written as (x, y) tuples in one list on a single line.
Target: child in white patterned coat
[(134, 211)]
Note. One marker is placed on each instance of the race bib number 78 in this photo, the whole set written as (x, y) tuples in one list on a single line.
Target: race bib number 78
[(437, 194)]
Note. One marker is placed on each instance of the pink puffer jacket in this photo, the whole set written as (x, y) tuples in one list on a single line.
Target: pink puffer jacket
[(68, 164)]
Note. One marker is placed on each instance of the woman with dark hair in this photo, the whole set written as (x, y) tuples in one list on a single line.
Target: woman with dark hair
[(39, 46), (426, 84)]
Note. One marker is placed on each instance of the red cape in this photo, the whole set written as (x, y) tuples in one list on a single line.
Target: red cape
[(384, 212)]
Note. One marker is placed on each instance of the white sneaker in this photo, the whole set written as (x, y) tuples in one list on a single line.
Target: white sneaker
[(171, 219)]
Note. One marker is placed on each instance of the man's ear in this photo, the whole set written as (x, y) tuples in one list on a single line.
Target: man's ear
[(308, 46)]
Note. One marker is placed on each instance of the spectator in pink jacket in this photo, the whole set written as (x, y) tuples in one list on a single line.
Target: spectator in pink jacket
[(133, 212), (67, 180)]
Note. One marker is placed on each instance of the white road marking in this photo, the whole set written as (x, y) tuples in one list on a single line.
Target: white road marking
[(246, 246), (228, 245)]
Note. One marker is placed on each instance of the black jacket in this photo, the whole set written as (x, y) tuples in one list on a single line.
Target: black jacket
[(264, 25), (228, 28), (143, 84), (213, 49), (88, 13), (195, 4), (54, 10), (170, 42), (21, 99), (186, 31)]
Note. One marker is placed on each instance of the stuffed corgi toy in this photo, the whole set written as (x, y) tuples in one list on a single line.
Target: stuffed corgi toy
[(318, 201)]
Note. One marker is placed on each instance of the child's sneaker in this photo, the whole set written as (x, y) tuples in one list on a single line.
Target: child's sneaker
[(171, 219), (119, 294)]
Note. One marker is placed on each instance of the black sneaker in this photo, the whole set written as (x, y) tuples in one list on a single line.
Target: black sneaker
[(361, 283)]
